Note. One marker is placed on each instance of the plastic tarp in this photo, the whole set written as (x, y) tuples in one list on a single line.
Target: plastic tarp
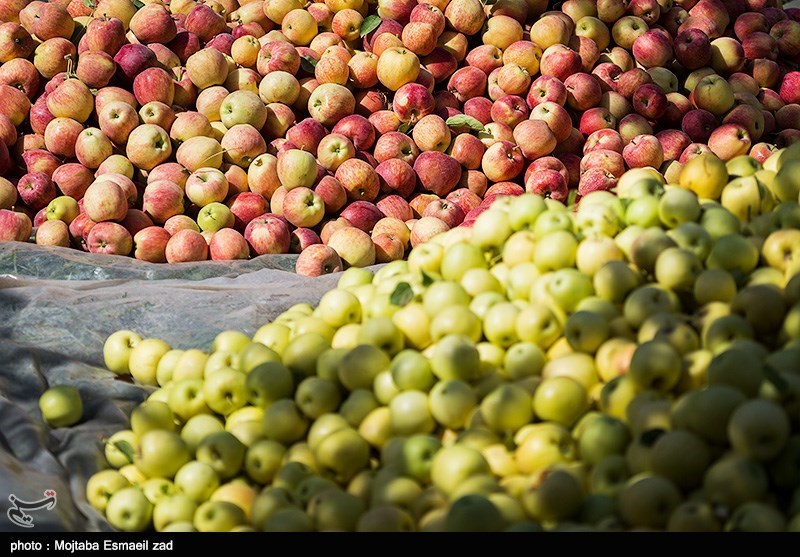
[(57, 307)]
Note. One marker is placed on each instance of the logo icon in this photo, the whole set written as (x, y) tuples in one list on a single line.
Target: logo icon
[(17, 515)]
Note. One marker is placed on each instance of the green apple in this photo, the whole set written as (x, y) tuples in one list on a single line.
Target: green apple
[(255, 354), (284, 422), (719, 221), (412, 371), (720, 333), (539, 324), (678, 206), (455, 357), (144, 358), (734, 253), (693, 237), (490, 230), (522, 214), (263, 459), (693, 516), (759, 429), (63, 208), (542, 445), (598, 219), (609, 475), (561, 400), (555, 250), (119, 448), (117, 350), (220, 359), (456, 320), (655, 365), (173, 509), (451, 403), (335, 510), (357, 406), (102, 485), (507, 408), (714, 285), (160, 453), (747, 198), (218, 516), (643, 211), (425, 257), (342, 454), (383, 333), (230, 341), (499, 324), (567, 287), (454, 464), (678, 269), (385, 518), (681, 457), (316, 396), (459, 258), (638, 181), (191, 365), (215, 216), (602, 437), (197, 480), (756, 516), (523, 359), (152, 415), (780, 250), (166, 366), (187, 399), (648, 500), (648, 300), (474, 513), (614, 280), (414, 323), (223, 452), (267, 383), (411, 414), (156, 489), (198, 427), (734, 480), (359, 367), (274, 336), (61, 406), (553, 221), (226, 391), (519, 248), (339, 307), (129, 510), (586, 331), (557, 498), (300, 355)]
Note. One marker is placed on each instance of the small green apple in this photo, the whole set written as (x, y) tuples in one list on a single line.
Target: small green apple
[(61, 406)]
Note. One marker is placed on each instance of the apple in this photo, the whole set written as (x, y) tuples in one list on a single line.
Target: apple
[(61, 406), (129, 510)]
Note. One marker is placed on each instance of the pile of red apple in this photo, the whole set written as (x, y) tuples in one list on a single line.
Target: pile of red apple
[(349, 131)]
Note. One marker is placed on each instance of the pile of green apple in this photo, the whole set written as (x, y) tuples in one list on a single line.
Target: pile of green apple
[(631, 364)]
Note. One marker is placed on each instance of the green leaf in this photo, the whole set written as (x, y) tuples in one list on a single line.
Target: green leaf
[(461, 120), (427, 280), (490, 2), (405, 127), (370, 24), (402, 295), (125, 448), (139, 4), (308, 63), (91, 4)]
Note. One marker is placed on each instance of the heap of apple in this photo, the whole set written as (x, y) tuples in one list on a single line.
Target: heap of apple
[(228, 129), (631, 365)]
